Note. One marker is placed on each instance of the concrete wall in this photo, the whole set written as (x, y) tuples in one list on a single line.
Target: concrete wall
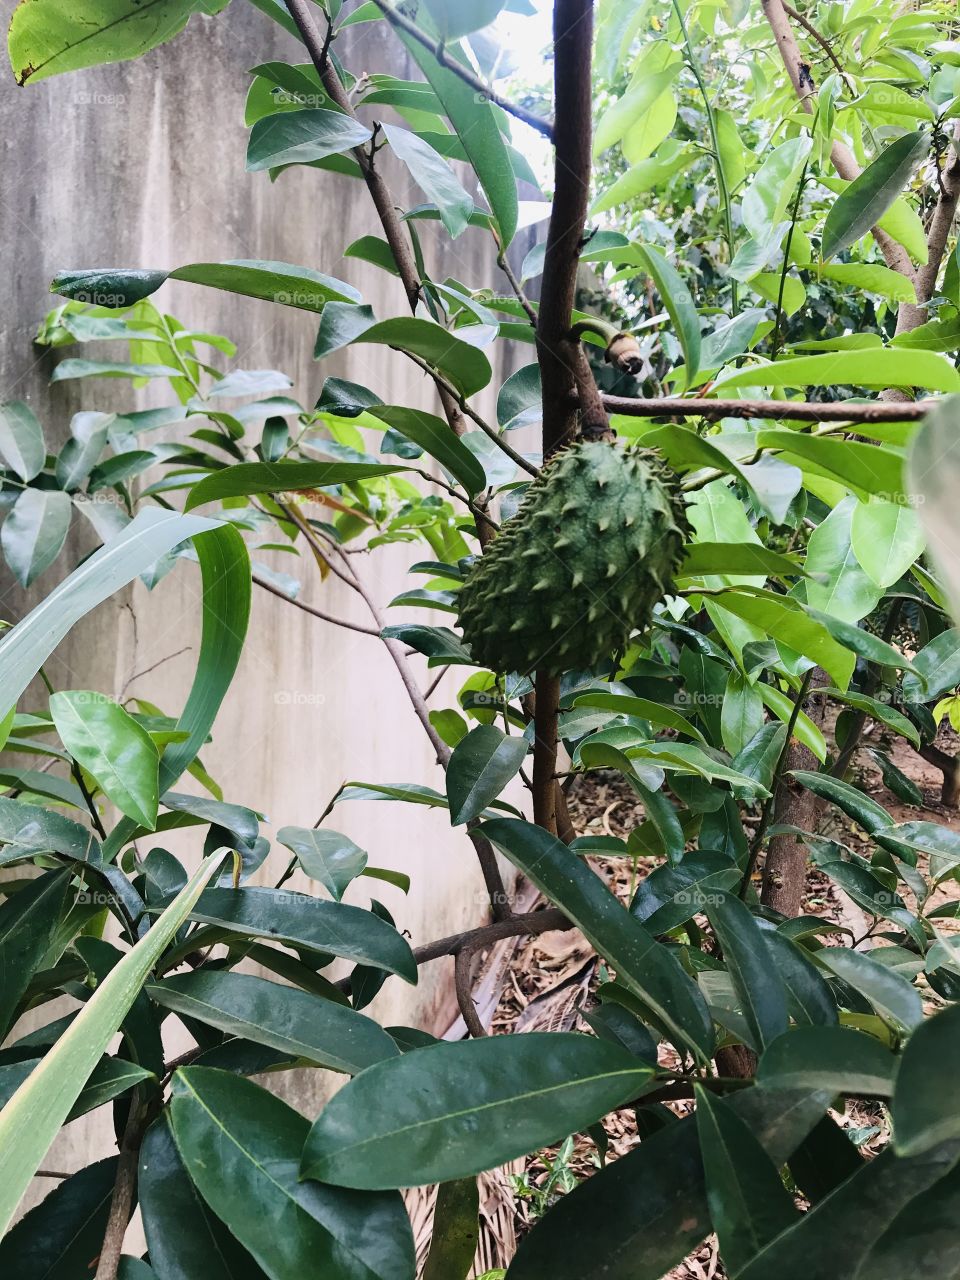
[(142, 165)]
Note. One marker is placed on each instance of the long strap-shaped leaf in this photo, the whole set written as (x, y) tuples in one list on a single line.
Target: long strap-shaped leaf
[(26, 648), (32, 1118), (225, 570)]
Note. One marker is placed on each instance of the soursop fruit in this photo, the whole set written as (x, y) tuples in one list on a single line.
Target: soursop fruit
[(592, 549)]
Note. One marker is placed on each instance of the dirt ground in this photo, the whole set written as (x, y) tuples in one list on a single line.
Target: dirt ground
[(547, 980)]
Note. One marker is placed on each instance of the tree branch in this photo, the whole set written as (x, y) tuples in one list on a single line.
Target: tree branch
[(895, 256), (436, 47), (814, 34), (124, 1188), (780, 410)]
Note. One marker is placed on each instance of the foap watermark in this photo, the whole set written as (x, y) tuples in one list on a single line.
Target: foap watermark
[(94, 98), (699, 898), (298, 698)]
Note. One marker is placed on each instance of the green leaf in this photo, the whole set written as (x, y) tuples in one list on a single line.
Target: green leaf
[(27, 923), (111, 1078), (881, 711), (741, 715), (671, 895), (241, 1147), (833, 1058), (112, 747), (886, 367), (45, 39), (926, 837), (936, 668), (676, 298), (34, 532), (81, 453), (644, 967), (810, 998), (656, 712), (432, 173), (857, 1212), (280, 282), (924, 1109), (887, 539), (768, 196), (479, 769), (28, 645), (456, 1231), (632, 106), (300, 137), (760, 992), (648, 1210), (861, 808), (28, 829), (702, 559), (433, 435), (184, 1237), (21, 439), (326, 1034), (749, 1205), (463, 365), (476, 126), (782, 619), (325, 855), (33, 1116), (58, 1237), (864, 202), (455, 1109), (246, 478), (301, 920), (888, 991), (456, 18), (113, 288)]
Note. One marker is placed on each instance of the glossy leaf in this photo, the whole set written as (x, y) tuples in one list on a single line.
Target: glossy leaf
[(184, 1237), (241, 1147), (864, 202), (676, 298), (27, 923), (246, 478), (21, 439), (58, 1238), (281, 282), (436, 178), (671, 895), (456, 1231), (476, 126), (327, 856), (924, 1111), (300, 137), (118, 752), (760, 991), (648, 970), (302, 920), (434, 436), (872, 368), (832, 1058), (34, 532), (481, 766), (888, 991), (410, 1121), (748, 1202)]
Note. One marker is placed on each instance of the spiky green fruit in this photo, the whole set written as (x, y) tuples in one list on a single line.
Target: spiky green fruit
[(592, 549)]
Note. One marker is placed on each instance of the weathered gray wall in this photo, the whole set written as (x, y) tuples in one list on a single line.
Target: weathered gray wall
[(142, 165)]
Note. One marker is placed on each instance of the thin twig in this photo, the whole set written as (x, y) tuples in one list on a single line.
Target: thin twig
[(437, 48), (517, 288), (812, 31), (312, 609)]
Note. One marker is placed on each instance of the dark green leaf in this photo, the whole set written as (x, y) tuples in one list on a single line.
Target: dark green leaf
[(432, 173), (924, 1103), (748, 1202), (241, 1146), (864, 202), (481, 766), (434, 436), (21, 439), (247, 478), (455, 1109), (27, 923), (34, 532), (809, 996), (302, 920), (671, 895), (864, 811), (888, 991), (284, 1018), (676, 298), (833, 1058), (647, 969), (281, 282), (57, 1239), (299, 137), (760, 991)]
